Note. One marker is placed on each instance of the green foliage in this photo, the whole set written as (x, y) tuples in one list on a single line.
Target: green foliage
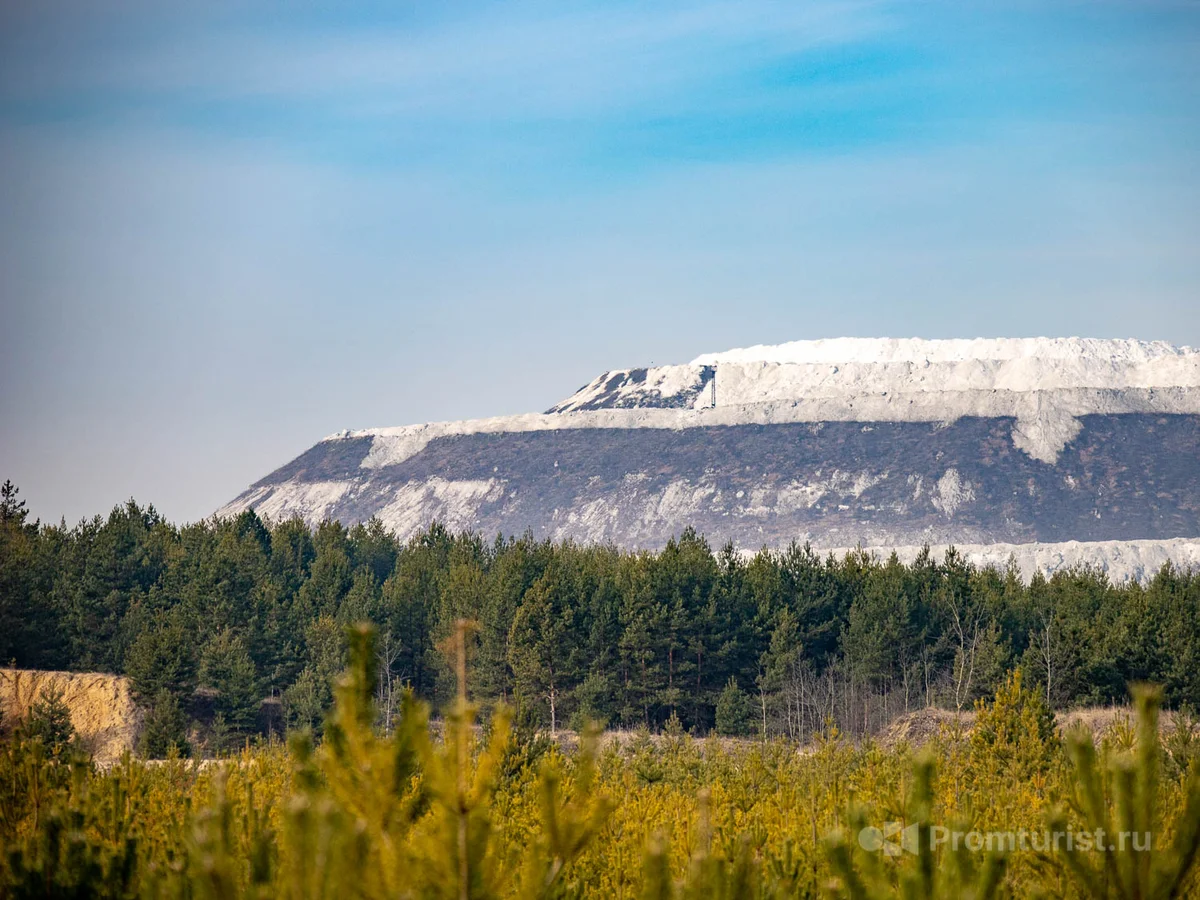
[(1151, 853), (527, 746), (431, 810), (226, 666), (255, 610), (49, 721), (1183, 743), (735, 712), (309, 696), (1015, 729), (161, 658), (306, 700), (29, 626), (710, 873), (66, 861), (541, 646), (866, 873), (569, 823), (164, 730), (12, 510)]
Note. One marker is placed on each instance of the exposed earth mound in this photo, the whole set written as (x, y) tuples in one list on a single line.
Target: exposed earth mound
[(102, 709), (920, 726)]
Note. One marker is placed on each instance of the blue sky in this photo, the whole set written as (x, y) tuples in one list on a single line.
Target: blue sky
[(229, 229)]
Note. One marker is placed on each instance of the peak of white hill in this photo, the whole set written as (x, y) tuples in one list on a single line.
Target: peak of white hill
[(1043, 383), (849, 369), (1122, 352)]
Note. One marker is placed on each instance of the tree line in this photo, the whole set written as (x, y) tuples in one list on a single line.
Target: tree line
[(211, 618)]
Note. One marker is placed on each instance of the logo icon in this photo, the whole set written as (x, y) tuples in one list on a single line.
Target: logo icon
[(893, 838)]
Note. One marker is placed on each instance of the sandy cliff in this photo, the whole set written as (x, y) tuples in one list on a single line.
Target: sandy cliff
[(102, 707)]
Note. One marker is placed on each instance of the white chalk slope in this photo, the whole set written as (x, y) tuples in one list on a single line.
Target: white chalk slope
[(1121, 561)]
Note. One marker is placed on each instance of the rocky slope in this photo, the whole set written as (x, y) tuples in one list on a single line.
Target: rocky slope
[(853, 441)]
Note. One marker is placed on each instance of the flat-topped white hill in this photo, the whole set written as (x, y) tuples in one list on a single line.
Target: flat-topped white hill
[(847, 366), (1018, 447), (1120, 352)]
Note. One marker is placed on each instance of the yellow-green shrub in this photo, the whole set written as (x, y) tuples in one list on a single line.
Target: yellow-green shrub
[(468, 815)]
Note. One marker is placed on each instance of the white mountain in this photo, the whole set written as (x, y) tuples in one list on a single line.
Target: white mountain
[(880, 442)]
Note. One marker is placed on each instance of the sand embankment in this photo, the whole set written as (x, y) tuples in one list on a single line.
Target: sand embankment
[(102, 707)]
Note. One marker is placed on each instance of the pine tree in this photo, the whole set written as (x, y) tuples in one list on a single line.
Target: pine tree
[(735, 712), (330, 574), (306, 699), (12, 510), (778, 671), (541, 648), (681, 579), (49, 721), (407, 605), (460, 597), (1014, 733), (292, 554), (1127, 800), (641, 620), (373, 549), (518, 564), (361, 603), (164, 729), (16, 584), (595, 696), (226, 666), (161, 659)]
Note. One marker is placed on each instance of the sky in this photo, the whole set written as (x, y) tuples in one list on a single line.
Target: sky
[(229, 229)]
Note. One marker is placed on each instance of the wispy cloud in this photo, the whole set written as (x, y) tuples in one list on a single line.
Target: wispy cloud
[(546, 60), (430, 84)]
